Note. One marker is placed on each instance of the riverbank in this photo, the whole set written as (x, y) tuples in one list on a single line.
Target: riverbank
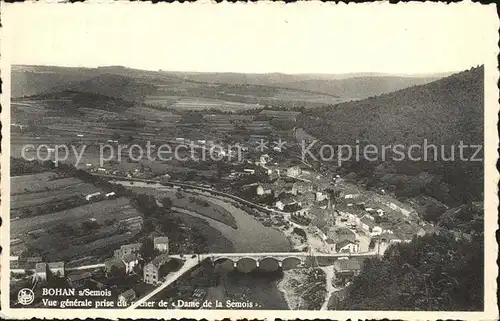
[(250, 235), (303, 288)]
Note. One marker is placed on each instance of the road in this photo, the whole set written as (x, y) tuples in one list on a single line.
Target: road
[(170, 278), (76, 268)]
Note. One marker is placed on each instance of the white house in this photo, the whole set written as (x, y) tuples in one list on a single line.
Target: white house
[(293, 171), (263, 189), (376, 230), (347, 246), (161, 244), (130, 261), (92, 196), (321, 196)]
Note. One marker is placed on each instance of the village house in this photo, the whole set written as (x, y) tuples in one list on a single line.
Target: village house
[(348, 267), (301, 187), (114, 265), (264, 159), (130, 261), (132, 223), (45, 270), (110, 195), (376, 230), (302, 211), (293, 171), (127, 297), (286, 201), (127, 249), (367, 223), (264, 189), (161, 244), (330, 245), (393, 204), (320, 196), (79, 280), (305, 199), (347, 246), (93, 196), (153, 271)]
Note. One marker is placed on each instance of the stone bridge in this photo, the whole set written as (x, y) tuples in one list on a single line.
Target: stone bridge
[(247, 262)]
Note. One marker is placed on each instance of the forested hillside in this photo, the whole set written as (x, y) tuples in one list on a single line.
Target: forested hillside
[(444, 113)]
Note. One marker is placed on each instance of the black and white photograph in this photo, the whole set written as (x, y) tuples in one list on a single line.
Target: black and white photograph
[(249, 160)]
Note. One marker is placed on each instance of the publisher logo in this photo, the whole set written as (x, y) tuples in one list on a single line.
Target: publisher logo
[(25, 296)]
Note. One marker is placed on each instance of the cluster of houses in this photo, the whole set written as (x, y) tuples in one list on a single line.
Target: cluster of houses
[(304, 195), (125, 261), (295, 194)]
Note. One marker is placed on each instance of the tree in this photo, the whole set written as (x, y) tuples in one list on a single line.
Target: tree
[(166, 202), (433, 272), (148, 250)]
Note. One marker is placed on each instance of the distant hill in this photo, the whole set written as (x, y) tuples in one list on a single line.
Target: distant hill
[(113, 85), (134, 84), (353, 86), (359, 87)]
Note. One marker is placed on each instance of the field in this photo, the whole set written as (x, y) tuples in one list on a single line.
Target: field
[(52, 218), (196, 103)]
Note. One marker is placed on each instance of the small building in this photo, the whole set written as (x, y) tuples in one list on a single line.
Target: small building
[(45, 270), (154, 271), (348, 267), (127, 297), (56, 269), (111, 195), (161, 244), (79, 280), (287, 201), (92, 196), (294, 171), (130, 261), (264, 189), (305, 199), (367, 223), (249, 171), (114, 265), (301, 187), (321, 195), (347, 246), (128, 249), (376, 230), (41, 271), (339, 234)]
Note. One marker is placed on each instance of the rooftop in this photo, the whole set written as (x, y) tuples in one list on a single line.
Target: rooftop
[(160, 260), (79, 276), (160, 240)]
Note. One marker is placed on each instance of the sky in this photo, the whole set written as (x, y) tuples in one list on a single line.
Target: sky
[(414, 38)]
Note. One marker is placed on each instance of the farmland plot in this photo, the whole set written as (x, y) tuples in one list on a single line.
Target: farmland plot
[(100, 211), (41, 182), (196, 103)]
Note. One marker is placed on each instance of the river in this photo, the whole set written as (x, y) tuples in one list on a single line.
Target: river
[(249, 236)]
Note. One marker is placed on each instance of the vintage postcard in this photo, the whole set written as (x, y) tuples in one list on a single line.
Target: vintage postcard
[(263, 160)]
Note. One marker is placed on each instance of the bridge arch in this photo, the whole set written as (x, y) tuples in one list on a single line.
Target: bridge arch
[(246, 264), (290, 262), (269, 264)]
